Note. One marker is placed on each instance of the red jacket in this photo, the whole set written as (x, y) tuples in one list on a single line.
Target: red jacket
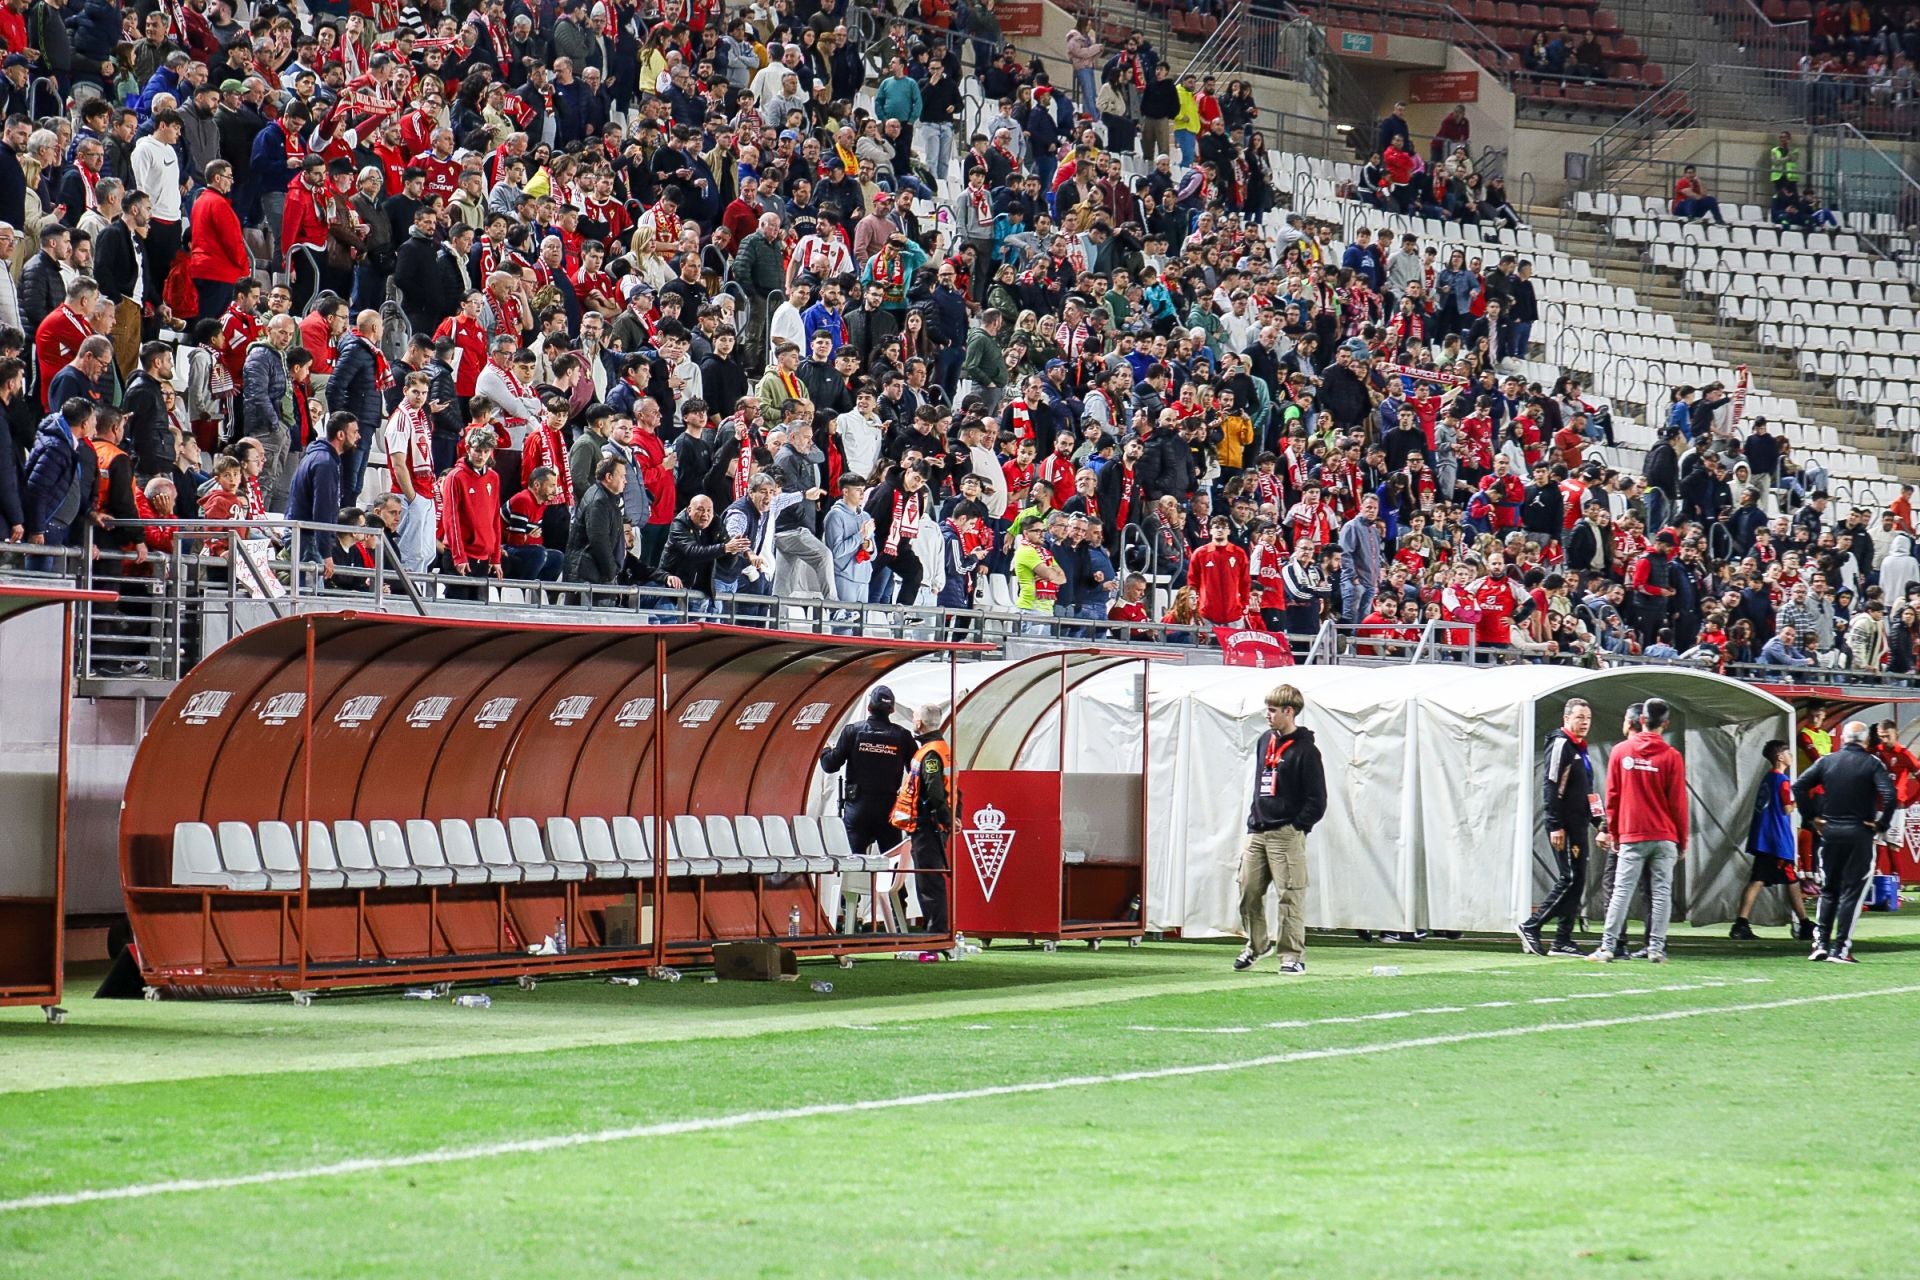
[(470, 522), (56, 342), (219, 252), (651, 454), (1647, 791), (303, 222), (1219, 575)]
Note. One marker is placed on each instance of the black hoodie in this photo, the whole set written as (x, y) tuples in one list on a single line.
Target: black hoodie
[(1299, 798)]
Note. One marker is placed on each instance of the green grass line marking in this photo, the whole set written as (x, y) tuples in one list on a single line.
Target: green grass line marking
[(743, 1119)]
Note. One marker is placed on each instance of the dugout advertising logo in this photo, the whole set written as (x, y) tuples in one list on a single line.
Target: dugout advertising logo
[(698, 712), (634, 711), (495, 712), (570, 711), (429, 711), (811, 716), (988, 841), (357, 710), (753, 716), (282, 707), (205, 706)]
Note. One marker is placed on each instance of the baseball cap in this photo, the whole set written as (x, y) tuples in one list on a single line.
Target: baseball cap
[(232, 86), (880, 701)]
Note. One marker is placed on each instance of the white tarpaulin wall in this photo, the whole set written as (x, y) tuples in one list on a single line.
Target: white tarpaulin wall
[(1432, 789), (1432, 814)]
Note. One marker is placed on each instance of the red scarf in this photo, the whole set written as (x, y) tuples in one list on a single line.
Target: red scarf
[(666, 223), (1022, 420), (1126, 497), (906, 521), (982, 205)]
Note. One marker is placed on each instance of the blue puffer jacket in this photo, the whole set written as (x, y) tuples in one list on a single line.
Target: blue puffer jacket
[(95, 25), (52, 468)]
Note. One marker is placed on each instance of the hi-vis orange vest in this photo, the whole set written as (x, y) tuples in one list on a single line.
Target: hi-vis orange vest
[(106, 453), (906, 805)]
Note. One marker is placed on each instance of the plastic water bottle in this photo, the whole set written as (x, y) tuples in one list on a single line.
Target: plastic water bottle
[(824, 988), (420, 993), (1386, 971), (623, 982), (560, 936), (665, 974), (793, 922), (474, 1000)]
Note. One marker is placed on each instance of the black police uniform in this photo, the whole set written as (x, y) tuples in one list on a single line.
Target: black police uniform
[(875, 754), (1853, 791), (1566, 788)]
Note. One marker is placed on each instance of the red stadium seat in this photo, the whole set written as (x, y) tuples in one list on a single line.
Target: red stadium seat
[(1207, 24), (1776, 11), (1552, 17), (1482, 13), (1605, 23), (1579, 21), (1653, 74), (1799, 11), (1630, 50), (1507, 13), (1530, 16)]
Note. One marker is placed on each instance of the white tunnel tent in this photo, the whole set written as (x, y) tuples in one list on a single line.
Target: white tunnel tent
[(1433, 817)]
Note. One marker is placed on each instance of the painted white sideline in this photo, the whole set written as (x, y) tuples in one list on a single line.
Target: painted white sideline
[(1293, 1024), (741, 1119)]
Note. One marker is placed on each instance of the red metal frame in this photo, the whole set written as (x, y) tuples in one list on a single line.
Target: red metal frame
[(1070, 678), (346, 715), (33, 935)]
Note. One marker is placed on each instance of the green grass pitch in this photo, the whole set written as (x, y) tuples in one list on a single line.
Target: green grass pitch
[(1738, 1113)]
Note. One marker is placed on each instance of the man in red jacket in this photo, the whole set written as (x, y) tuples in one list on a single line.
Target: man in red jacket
[(471, 527), (1647, 814), (220, 259), (1218, 572)]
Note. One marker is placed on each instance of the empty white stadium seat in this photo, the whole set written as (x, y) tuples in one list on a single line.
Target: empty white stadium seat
[(752, 839), (240, 855), (496, 854), (530, 847), (840, 847), (355, 851), (689, 839), (462, 855), (196, 858), (423, 846), (603, 856), (781, 844), (280, 853), (724, 847)]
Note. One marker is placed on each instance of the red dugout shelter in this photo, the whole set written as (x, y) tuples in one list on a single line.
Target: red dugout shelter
[(348, 798), (33, 883), (1043, 852)]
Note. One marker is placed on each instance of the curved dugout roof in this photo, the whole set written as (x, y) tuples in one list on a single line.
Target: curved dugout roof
[(997, 717), (431, 718)]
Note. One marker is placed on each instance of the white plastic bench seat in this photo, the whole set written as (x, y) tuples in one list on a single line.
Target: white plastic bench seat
[(390, 854), (812, 845), (723, 846), (430, 846), (633, 841), (529, 850), (603, 854), (463, 853), (840, 847), (390, 849), (355, 851), (423, 846), (780, 844), (563, 846), (496, 854), (240, 855), (280, 852), (754, 843), (688, 840), (196, 860)]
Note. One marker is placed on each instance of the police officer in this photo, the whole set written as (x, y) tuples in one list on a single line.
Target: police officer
[(1571, 804), (925, 809), (1847, 797), (874, 753)]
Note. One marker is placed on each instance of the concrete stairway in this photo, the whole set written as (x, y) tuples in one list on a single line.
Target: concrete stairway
[(1735, 342)]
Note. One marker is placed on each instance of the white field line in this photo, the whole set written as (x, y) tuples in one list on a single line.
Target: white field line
[(1437, 1010), (742, 1119)]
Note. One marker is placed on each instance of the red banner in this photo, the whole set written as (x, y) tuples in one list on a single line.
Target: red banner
[(1019, 17), (1443, 86), (1254, 649)]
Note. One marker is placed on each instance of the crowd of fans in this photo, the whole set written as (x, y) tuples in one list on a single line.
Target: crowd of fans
[(583, 296)]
